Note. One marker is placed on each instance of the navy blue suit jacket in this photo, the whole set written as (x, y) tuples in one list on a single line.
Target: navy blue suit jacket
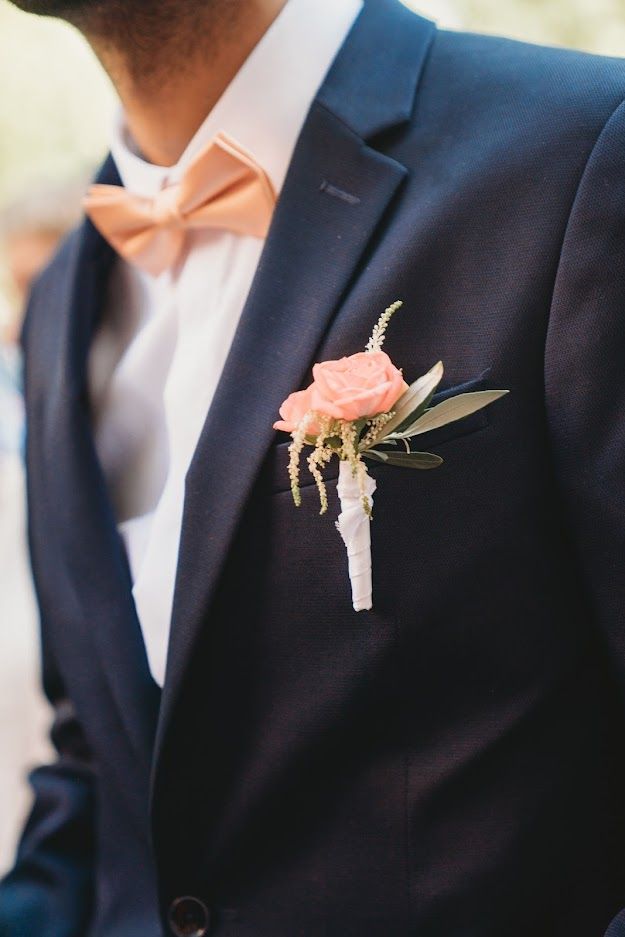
[(453, 763)]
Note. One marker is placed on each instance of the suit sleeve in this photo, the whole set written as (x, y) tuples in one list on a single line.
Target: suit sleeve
[(585, 390), (48, 892)]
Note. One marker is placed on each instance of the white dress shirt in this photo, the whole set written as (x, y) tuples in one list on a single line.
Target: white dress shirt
[(158, 356)]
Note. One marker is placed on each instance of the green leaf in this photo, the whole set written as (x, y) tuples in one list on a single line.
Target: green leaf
[(375, 455), (416, 413), (412, 402), (413, 460), (451, 410)]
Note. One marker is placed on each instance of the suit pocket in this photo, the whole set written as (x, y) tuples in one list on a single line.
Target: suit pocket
[(278, 458), (278, 469), (469, 424)]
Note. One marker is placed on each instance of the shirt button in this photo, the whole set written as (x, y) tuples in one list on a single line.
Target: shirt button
[(189, 917)]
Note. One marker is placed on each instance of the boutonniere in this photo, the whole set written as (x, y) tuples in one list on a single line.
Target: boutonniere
[(360, 408)]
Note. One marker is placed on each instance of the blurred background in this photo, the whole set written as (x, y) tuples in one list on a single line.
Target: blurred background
[(55, 113)]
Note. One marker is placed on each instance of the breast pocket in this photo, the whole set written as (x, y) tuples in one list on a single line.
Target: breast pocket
[(469, 424), (278, 461)]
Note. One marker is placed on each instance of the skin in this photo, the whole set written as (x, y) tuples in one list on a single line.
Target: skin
[(170, 60)]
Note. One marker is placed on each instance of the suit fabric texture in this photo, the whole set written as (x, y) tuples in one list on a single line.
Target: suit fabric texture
[(452, 763)]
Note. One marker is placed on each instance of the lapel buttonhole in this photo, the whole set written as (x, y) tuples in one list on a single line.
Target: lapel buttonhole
[(335, 192)]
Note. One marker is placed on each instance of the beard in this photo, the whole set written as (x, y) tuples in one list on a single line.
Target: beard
[(97, 13), (115, 22), (142, 30), (66, 9), (144, 43)]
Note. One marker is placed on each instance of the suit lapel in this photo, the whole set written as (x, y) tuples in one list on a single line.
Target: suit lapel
[(336, 193), (96, 560)]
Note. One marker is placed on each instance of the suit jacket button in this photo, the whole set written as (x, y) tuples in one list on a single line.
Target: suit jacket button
[(189, 917)]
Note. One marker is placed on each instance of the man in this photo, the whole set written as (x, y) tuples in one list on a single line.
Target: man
[(450, 764)]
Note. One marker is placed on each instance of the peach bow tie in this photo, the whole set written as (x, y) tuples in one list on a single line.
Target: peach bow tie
[(223, 187)]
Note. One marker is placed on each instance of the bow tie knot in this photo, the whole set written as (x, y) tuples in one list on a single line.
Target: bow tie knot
[(166, 210), (223, 187)]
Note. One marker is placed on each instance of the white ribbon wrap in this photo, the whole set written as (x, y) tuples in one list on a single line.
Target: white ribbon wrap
[(354, 526)]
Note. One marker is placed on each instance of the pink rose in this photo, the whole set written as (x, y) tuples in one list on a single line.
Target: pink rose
[(294, 409), (362, 385)]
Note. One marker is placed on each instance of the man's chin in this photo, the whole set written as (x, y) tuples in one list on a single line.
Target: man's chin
[(64, 9)]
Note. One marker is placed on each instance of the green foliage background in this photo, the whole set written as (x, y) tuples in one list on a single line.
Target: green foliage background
[(56, 106)]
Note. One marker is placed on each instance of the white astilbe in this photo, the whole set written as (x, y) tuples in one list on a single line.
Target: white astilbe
[(379, 331), (295, 452), (319, 457), (334, 437), (375, 425)]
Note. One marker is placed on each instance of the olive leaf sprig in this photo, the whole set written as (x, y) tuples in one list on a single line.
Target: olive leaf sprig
[(413, 416)]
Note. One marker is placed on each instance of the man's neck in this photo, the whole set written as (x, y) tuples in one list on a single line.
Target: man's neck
[(169, 82)]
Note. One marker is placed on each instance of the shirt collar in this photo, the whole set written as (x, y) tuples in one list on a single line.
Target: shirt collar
[(265, 105)]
